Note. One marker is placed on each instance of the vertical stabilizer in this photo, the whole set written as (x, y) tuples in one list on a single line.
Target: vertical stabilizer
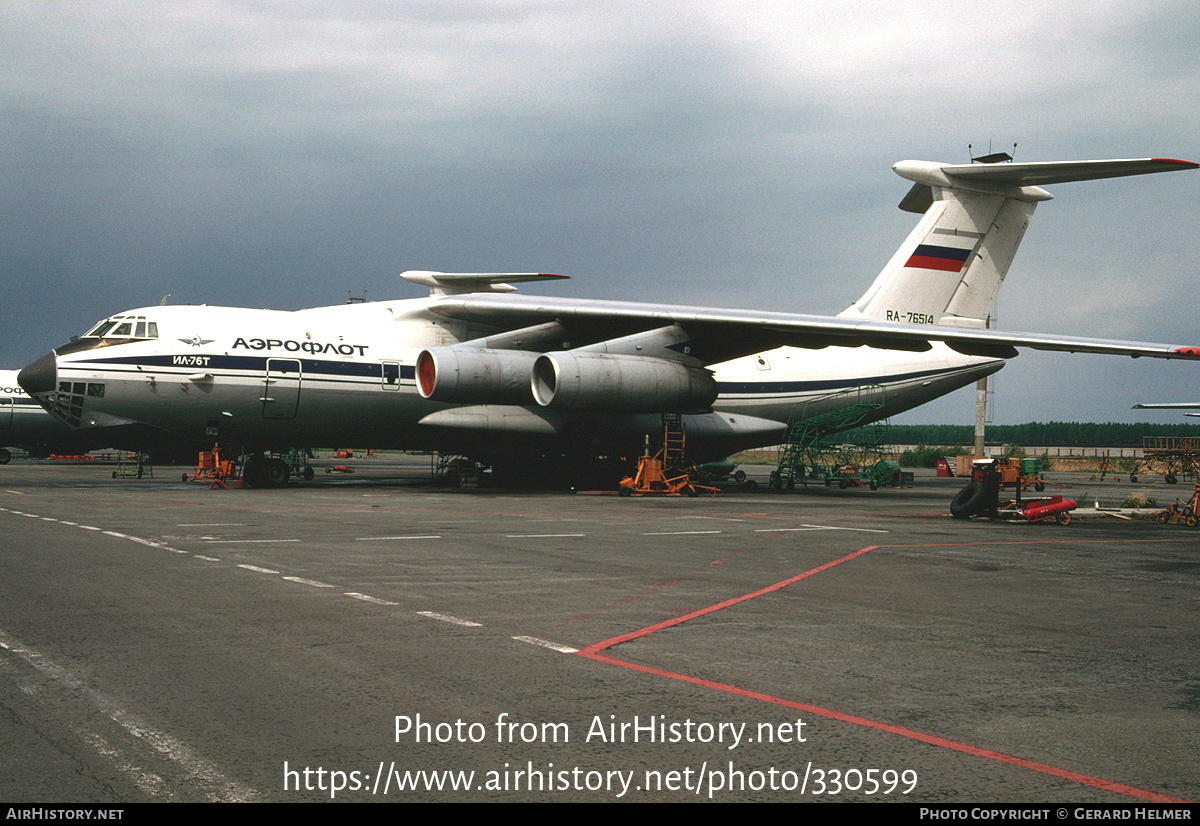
[(949, 269)]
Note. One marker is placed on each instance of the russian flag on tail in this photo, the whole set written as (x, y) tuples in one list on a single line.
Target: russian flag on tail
[(933, 257)]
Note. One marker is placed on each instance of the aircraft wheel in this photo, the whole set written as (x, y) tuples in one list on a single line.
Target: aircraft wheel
[(1063, 517), (5, 456), (277, 473), (254, 472), (968, 502)]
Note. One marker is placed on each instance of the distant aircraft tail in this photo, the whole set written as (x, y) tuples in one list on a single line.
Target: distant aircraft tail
[(951, 266)]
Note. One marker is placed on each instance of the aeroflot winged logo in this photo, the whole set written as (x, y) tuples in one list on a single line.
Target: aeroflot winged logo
[(933, 257), (196, 341), (292, 346)]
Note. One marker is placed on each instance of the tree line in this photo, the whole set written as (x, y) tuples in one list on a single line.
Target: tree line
[(1032, 434)]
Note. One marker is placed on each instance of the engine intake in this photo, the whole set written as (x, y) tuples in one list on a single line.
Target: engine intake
[(466, 375)]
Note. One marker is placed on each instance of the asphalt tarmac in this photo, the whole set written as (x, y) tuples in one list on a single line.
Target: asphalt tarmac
[(372, 637)]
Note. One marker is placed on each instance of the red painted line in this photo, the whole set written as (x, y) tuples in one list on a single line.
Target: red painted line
[(930, 739), (592, 652), (658, 626)]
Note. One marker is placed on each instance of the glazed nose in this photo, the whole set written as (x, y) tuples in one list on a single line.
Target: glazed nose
[(39, 377)]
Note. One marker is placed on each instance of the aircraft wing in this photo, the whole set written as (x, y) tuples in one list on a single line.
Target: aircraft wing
[(715, 335), (1169, 406)]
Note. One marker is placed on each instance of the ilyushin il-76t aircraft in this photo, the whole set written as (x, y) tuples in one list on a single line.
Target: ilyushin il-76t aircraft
[(509, 379)]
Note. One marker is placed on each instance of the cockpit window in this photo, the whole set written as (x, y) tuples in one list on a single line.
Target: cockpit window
[(124, 326)]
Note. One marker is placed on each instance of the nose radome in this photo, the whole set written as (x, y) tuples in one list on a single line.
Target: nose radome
[(39, 377)]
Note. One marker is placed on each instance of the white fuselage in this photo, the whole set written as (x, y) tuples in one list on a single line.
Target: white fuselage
[(340, 375)]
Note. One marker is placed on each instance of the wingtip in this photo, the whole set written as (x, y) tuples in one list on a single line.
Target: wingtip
[(1176, 162), (1188, 352)]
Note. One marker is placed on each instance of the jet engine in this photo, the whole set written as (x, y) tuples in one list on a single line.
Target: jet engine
[(468, 375), (620, 384)]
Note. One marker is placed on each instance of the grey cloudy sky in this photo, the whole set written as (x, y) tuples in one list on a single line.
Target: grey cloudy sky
[(287, 154)]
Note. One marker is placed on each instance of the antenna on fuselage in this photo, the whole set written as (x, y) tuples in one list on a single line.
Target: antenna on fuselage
[(356, 299)]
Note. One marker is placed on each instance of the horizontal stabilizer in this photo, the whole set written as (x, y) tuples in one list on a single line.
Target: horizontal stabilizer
[(1008, 178), (460, 283), (1057, 172)]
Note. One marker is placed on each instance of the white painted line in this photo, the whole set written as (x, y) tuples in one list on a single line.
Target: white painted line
[(553, 646), (198, 769), (210, 524), (149, 782), (374, 538), (821, 528), (365, 598), (448, 618), (541, 535), (246, 541), (256, 568), (206, 558), (785, 530), (154, 544), (679, 533), (311, 582)]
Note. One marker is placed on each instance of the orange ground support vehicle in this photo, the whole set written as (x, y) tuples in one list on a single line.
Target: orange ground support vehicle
[(212, 466)]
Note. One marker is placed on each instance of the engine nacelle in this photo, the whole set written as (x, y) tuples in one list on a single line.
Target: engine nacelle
[(467, 375), (620, 384)]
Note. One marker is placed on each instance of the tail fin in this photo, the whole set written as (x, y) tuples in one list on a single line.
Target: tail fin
[(951, 266)]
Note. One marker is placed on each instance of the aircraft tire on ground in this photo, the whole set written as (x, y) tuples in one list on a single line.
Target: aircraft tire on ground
[(968, 502), (277, 473), (5, 456), (254, 472)]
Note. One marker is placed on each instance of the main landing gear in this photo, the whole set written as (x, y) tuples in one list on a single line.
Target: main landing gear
[(261, 471)]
